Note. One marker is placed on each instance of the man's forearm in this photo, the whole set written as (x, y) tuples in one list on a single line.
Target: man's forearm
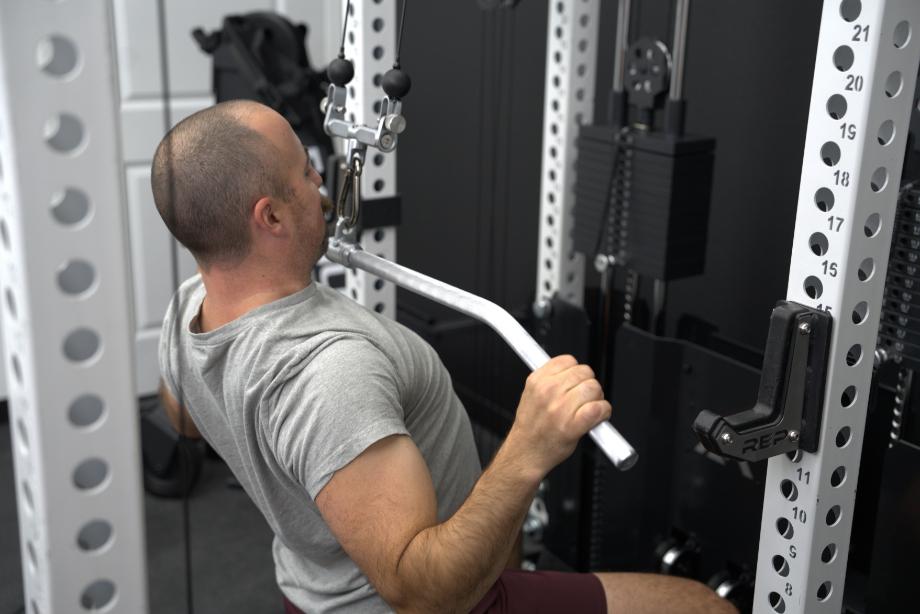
[(450, 566)]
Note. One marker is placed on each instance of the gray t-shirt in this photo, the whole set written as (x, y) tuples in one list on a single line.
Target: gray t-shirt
[(296, 389)]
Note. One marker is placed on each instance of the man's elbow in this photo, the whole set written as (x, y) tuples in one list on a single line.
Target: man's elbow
[(184, 426), (178, 416)]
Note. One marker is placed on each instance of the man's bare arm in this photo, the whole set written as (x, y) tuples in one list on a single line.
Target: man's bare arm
[(382, 508), (178, 416)]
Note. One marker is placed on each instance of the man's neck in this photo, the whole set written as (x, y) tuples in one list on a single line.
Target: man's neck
[(231, 293)]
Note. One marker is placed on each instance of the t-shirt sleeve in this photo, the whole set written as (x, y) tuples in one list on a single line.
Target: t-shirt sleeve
[(344, 398), (167, 350)]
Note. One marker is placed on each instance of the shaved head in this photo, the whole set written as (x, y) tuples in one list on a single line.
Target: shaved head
[(207, 173)]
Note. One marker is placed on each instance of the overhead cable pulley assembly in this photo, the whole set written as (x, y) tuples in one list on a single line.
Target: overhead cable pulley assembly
[(384, 135), (344, 249)]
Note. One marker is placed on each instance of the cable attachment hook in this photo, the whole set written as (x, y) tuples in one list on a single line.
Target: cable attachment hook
[(351, 187)]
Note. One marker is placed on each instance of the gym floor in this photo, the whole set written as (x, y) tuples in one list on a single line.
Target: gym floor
[(232, 569)]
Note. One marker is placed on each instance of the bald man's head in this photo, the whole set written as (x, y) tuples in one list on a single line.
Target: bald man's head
[(206, 174)]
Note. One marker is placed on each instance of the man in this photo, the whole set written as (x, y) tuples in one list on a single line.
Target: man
[(342, 425)]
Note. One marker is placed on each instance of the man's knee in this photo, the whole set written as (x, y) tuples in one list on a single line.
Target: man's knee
[(638, 593)]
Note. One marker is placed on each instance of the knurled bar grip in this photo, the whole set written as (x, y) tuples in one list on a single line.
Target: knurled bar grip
[(607, 438)]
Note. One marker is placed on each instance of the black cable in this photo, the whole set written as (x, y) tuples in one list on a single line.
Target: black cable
[(344, 29), (184, 468), (509, 115), (402, 22), (614, 168)]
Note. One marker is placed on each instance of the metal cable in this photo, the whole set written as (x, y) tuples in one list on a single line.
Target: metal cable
[(344, 28), (402, 22)]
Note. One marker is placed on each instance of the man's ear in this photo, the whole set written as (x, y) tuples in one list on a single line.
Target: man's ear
[(265, 215)]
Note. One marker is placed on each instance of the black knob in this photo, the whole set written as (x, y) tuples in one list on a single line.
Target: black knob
[(396, 83), (340, 71)]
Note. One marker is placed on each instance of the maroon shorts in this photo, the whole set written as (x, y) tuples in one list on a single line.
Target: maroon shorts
[(544, 592), (535, 592)]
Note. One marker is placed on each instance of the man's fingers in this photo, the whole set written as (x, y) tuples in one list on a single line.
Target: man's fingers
[(585, 392), (557, 364), (573, 376), (591, 414)]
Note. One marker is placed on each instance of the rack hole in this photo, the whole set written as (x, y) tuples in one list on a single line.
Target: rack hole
[(838, 477), (824, 591), (780, 565), (829, 553), (843, 437), (86, 410), (873, 225), (82, 345), (97, 595), (56, 56), (860, 312), (64, 133), (33, 557), (379, 307), (17, 368), (850, 9), (794, 456), (10, 302), (901, 34), (377, 24), (894, 84), (90, 473), (378, 285), (886, 133), (813, 287), (824, 199), (818, 244), (94, 535), (830, 153), (879, 179), (789, 490), (848, 397), (70, 206), (784, 527), (76, 277), (4, 234), (854, 354), (27, 496), (866, 268), (843, 58), (836, 106), (378, 52), (833, 516), (777, 603)]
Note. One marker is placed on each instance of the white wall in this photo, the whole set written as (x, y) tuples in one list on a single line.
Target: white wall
[(142, 126)]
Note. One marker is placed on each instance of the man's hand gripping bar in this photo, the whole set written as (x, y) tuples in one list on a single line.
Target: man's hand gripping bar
[(343, 250)]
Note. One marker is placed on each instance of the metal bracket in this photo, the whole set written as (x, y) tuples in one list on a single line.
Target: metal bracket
[(383, 136), (787, 416)]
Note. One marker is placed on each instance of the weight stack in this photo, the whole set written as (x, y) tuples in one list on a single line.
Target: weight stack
[(899, 329), (648, 203)]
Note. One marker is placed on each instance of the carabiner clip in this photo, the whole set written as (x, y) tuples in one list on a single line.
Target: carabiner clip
[(351, 186)]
